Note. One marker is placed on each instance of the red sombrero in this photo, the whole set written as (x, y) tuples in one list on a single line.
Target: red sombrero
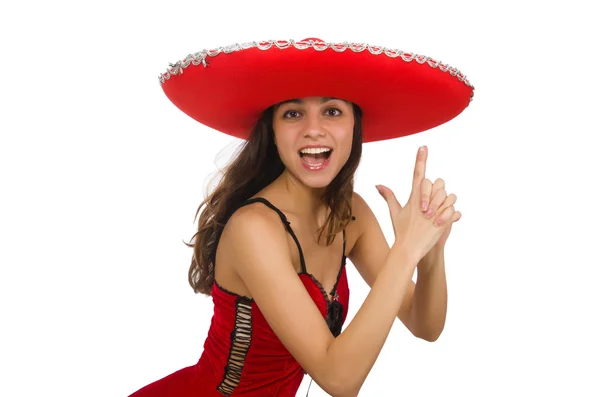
[(400, 93)]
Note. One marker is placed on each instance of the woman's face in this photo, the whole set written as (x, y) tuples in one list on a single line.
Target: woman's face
[(314, 138)]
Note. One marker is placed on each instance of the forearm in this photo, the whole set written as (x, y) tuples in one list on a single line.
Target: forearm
[(352, 355), (430, 299)]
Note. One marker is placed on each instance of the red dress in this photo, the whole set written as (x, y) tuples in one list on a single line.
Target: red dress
[(242, 355)]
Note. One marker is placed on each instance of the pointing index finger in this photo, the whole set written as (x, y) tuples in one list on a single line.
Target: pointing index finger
[(419, 174)]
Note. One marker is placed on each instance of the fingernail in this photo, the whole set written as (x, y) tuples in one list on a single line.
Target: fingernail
[(423, 205), (422, 149), (429, 213), (439, 222)]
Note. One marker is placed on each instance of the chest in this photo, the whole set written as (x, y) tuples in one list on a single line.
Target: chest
[(316, 258)]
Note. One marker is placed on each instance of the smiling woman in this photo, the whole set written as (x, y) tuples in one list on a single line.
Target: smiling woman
[(274, 235), (330, 124)]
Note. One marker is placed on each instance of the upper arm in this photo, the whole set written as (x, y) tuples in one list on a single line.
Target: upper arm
[(263, 262), (371, 249)]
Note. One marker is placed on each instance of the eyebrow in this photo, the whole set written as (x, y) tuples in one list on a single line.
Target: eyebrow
[(300, 101)]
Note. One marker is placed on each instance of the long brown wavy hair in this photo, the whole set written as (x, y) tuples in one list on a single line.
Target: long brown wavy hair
[(256, 166)]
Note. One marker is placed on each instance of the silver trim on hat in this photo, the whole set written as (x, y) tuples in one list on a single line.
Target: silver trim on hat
[(201, 57)]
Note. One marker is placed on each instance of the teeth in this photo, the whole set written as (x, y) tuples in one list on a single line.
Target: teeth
[(315, 150)]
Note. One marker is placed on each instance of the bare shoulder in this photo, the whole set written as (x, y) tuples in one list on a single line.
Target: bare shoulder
[(254, 216), (362, 217), (253, 220), (359, 205), (253, 228)]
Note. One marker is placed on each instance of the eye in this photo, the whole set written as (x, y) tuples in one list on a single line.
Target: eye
[(290, 114), (333, 112)]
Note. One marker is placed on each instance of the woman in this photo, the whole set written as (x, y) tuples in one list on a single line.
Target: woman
[(274, 235)]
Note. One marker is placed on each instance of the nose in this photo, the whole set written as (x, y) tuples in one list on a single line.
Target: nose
[(313, 127)]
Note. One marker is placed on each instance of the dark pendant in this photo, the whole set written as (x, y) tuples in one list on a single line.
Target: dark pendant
[(334, 318)]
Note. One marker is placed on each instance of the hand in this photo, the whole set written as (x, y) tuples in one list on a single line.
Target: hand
[(433, 195), (412, 228)]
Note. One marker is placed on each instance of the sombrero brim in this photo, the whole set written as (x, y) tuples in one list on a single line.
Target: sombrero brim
[(400, 93)]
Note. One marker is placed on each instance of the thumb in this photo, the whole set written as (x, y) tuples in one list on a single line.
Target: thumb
[(390, 198)]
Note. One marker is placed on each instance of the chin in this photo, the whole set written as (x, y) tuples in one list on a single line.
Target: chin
[(318, 178), (316, 183)]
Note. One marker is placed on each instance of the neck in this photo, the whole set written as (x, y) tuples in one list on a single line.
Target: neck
[(304, 200)]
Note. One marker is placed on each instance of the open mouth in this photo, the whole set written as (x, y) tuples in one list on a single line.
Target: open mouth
[(315, 157)]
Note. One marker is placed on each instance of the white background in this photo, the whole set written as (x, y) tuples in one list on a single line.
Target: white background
[(101, 177)]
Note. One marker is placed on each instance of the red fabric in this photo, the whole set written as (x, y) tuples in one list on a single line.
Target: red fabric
[(397, 97), (269, 369)]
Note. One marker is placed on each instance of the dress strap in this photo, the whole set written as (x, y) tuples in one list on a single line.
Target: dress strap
[(286, 223)]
